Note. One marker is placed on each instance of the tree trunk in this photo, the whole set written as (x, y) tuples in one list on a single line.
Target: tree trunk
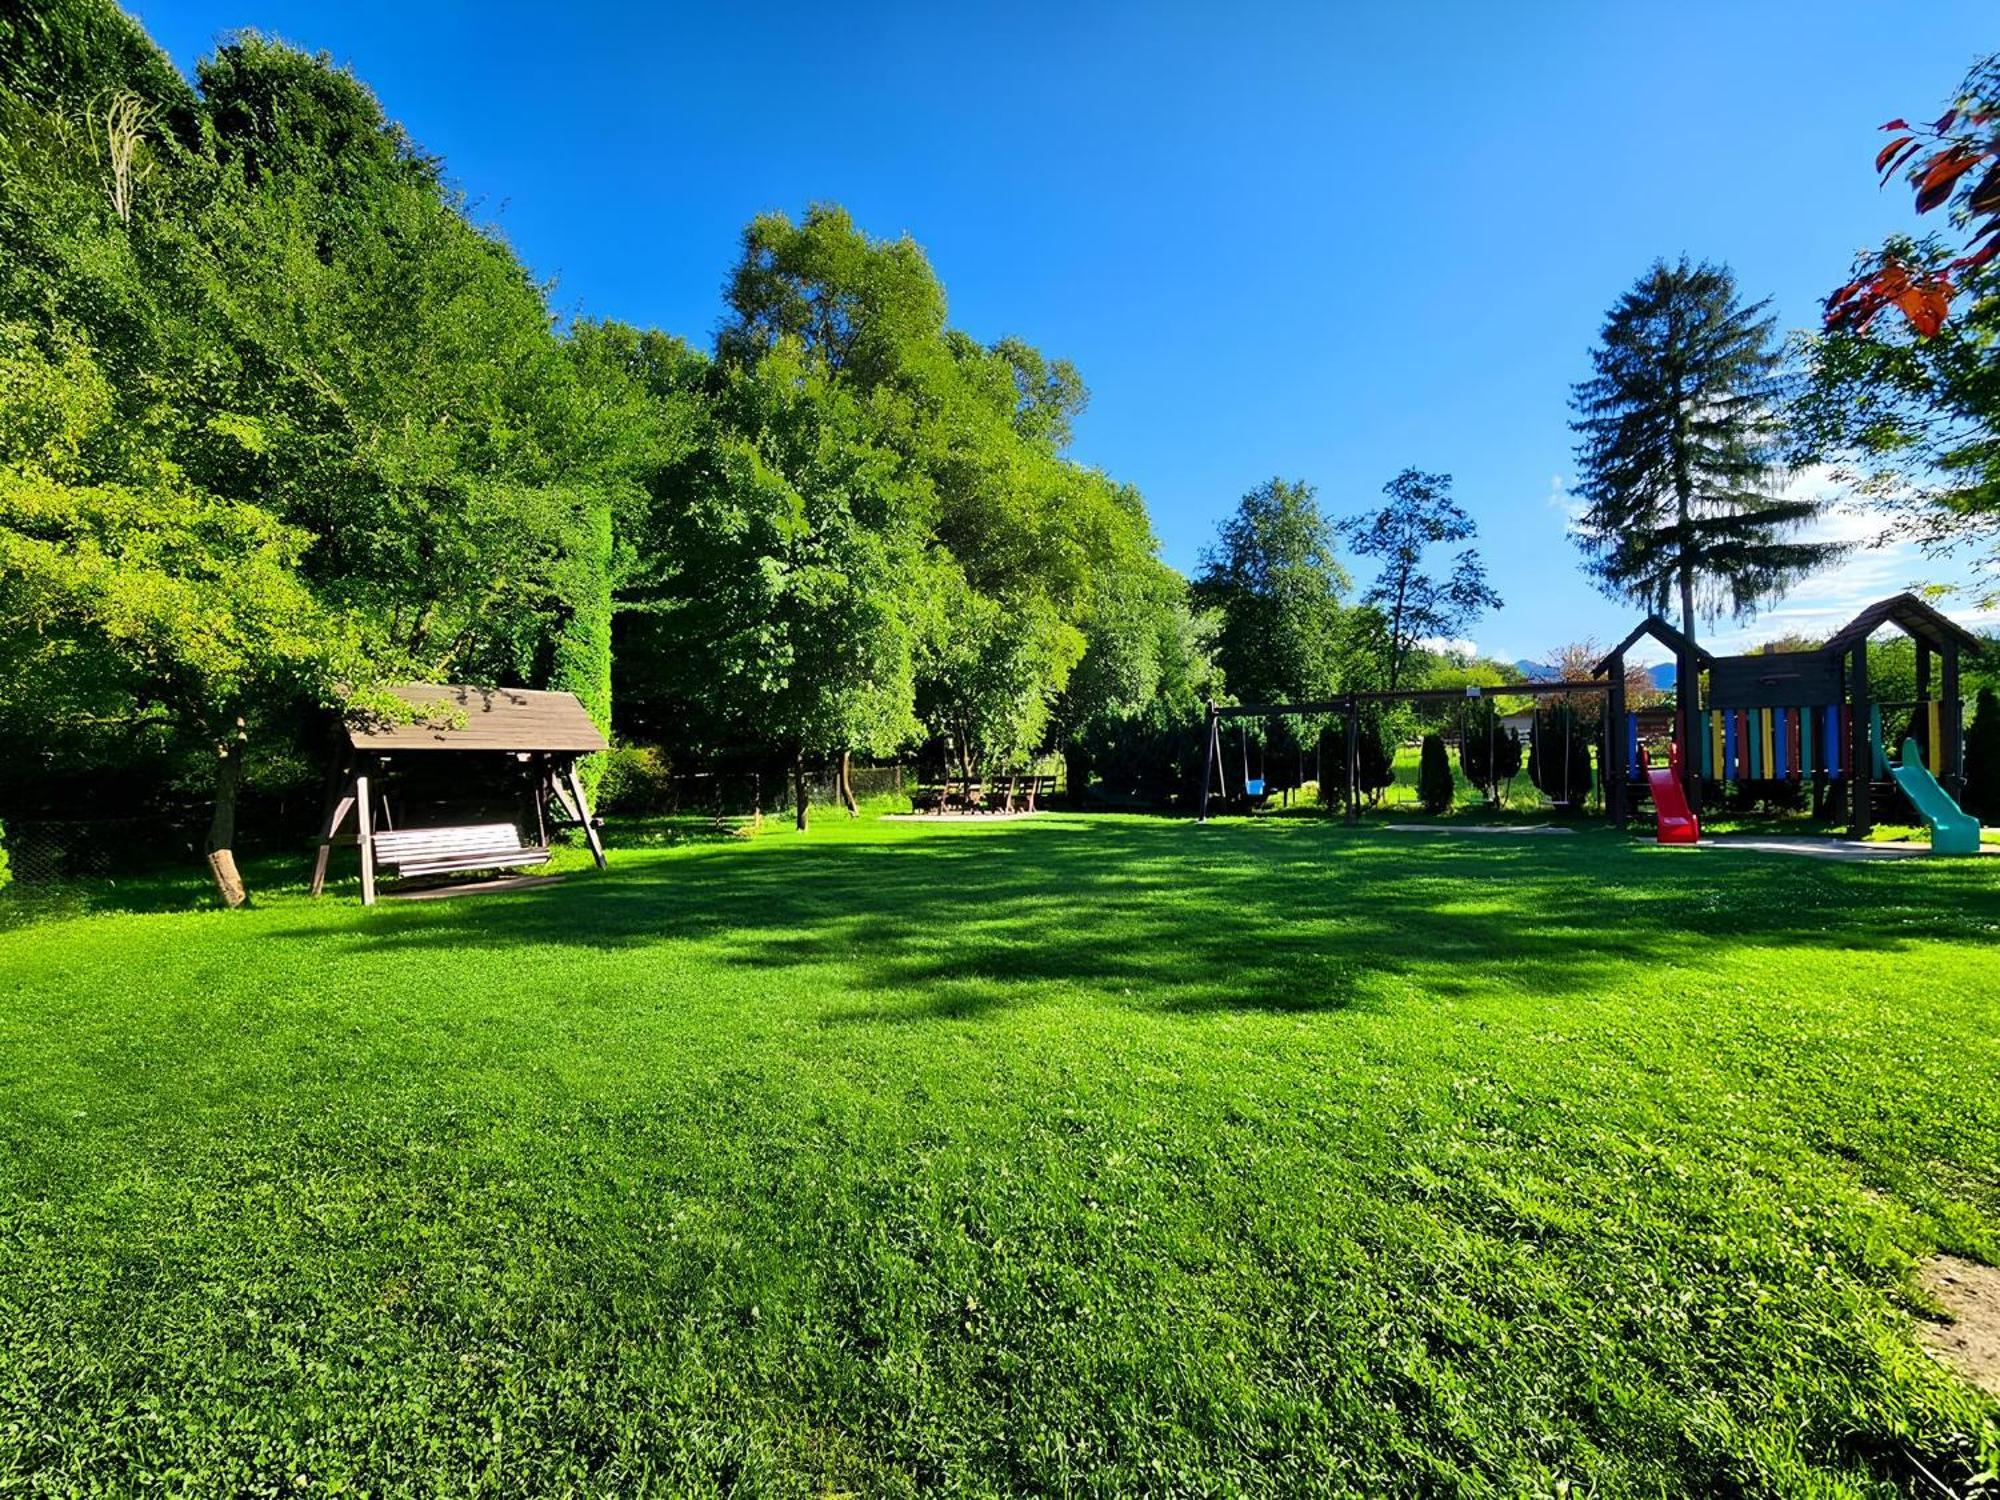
[(222, 822), (799, 788), (847, 784)]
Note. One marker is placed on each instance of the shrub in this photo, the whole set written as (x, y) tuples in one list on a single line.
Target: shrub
[(1478, 739), (1332, 771), (1559, 758), (1375, 760), (6, 870), (1489, 755), (635, 779), (1506, 760), (1435, 788), (1982, 760)]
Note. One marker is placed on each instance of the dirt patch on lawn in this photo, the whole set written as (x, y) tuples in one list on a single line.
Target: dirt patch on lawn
[(1970, 1342)]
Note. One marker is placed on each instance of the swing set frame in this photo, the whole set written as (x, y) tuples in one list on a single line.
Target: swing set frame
[(1347, 707)]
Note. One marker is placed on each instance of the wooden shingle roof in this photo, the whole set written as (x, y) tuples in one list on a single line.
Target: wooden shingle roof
[(1911, 615), (457, 717)]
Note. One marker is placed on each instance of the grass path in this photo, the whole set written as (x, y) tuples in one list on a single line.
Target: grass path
[(1092, 1156)]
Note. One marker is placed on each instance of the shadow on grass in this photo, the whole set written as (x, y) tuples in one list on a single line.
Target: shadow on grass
[(1280, 917)]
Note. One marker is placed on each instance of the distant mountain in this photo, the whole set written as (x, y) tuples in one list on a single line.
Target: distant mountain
[(1540, 671)]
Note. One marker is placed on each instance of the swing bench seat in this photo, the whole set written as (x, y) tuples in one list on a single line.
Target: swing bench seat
[(447, 851)]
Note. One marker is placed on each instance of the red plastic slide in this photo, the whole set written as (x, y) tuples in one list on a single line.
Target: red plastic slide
[(1677, 824)]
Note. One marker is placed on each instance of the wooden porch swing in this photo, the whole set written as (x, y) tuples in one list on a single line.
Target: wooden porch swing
[(528, 742)]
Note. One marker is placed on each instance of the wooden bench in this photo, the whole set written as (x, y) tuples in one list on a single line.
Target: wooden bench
[(445, 851)]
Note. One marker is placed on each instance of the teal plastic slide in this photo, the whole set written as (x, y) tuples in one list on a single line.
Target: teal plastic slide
[(1953, 830)]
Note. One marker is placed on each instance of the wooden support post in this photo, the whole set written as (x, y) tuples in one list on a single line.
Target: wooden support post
[(1208, 759), (1353, 761), (1951, 725), (1614, 743), (590, 835), (1862, 756), (343, 805), (364, 829), (560, 786), (1687, 704)]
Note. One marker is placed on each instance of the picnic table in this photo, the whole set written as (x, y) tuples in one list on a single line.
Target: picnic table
[(1013, 792)]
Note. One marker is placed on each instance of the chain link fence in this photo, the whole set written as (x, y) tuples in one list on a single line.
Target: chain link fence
[(640, 784), (50, 851)]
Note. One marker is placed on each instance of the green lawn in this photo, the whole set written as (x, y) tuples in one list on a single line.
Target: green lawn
[(1068, 1156)]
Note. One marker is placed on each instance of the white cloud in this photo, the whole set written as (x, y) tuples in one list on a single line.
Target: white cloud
[(1453, 645), (1878, 566), (1559, 498)]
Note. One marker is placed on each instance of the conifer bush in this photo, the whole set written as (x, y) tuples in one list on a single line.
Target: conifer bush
[(1435, 787), (1489, 755), (1559, 758), (1375, 761)]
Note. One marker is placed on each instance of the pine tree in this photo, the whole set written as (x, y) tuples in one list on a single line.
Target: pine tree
[(1680, 448)]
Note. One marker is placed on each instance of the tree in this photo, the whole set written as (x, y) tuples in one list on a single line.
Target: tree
[(1027, 556), (1955, 160), (867, 309), (314, 364), (1576, 661), (1418, 606), (133, 598), (1275, 582), (787, 613), (1138, 690), (1909, 407), (1680, 448), (1435, 787), (987, 671)]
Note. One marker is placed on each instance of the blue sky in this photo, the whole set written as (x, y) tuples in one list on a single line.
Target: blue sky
[(1316, 241)]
